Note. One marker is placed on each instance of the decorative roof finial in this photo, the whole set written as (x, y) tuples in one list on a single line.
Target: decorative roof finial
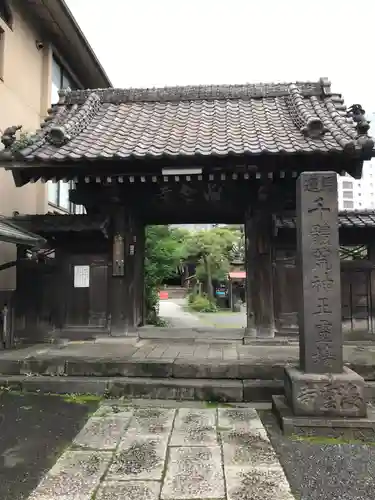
[(357, 113), (9, 136)]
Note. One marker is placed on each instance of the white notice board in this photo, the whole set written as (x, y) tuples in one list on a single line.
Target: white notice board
[(81, 276)]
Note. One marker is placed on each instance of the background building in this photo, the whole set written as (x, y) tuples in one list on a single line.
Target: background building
[(359, 194), (42, 49)]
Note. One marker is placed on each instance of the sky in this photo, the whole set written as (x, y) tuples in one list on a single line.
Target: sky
[(147, 43)]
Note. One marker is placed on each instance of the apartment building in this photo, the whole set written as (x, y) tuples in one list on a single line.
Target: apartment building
[(42, 49), (359, 194)]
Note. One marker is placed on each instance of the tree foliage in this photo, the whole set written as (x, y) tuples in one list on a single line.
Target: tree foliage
[(167, 249), (211, 251), (163, 255)]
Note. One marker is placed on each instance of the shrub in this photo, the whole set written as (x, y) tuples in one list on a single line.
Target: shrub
[(191, 297), (201, 303)]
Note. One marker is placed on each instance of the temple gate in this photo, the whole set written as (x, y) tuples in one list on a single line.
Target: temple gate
[(211, 154)]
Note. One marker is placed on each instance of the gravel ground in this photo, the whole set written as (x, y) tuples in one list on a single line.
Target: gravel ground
[(34, 431), (323, 469)]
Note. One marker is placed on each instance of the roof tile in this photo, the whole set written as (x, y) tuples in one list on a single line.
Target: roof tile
[(205, 120)]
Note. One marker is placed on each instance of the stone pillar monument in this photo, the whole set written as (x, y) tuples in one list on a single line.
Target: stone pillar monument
[(321, 387)]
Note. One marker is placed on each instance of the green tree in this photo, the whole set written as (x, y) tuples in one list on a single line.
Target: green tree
[(211, 251)]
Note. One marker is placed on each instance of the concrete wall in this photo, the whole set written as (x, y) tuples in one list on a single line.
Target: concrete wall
[(24, 100)]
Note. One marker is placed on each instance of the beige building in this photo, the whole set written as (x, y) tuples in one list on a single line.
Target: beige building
[(42, 49)]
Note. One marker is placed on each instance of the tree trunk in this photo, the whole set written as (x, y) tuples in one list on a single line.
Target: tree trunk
[(207, 266)]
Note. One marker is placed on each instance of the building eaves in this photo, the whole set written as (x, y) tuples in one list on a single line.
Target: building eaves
[(347, 219), (50, 224), (12, 233), (55, 19)]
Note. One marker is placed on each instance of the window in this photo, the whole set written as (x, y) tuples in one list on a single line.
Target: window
[(347, 194), (6, 13), (348, 204), (58, 194), (347, 185), (60, 80)]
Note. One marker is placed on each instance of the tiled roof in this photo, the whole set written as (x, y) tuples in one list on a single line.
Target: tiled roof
[(11, 233), (251, 119), (363, 219)]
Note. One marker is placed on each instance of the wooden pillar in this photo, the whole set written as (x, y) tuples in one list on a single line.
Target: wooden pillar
[(122, 281), (259, 268), (139, 273), (250, 331), (284, 289)]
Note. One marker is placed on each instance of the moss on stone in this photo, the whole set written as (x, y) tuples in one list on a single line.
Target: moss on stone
[(213, 404), (330, 440), (81, 399), (68, 398)]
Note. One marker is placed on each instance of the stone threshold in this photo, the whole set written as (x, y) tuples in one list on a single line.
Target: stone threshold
[(219, 390), (148, 388)]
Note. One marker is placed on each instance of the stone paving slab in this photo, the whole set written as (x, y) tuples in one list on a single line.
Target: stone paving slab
[(194, 428), (113, 409), (257, 484), (129, 490), (75, 476), (238, 418), (194, 473), (150, 421), (249, 447), (103, 433), (139, 457), (252, 469), (170, 453)]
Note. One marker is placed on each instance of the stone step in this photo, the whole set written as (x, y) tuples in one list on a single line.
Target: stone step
[(156, 388), (149, 388), (247, 369)]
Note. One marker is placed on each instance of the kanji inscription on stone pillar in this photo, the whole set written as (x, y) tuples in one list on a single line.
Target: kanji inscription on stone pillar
[(321, 346)]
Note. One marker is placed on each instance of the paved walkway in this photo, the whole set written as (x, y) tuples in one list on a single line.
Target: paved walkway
[(169, 454), (173, 312), (109, 349)]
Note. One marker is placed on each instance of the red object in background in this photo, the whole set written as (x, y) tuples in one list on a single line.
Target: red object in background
[(237, 275), (163, 295)]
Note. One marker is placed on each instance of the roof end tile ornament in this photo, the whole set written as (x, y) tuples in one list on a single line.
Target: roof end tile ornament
[(59, 135), (8, 139), (309, 124), (357, 114), (325, 84)]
